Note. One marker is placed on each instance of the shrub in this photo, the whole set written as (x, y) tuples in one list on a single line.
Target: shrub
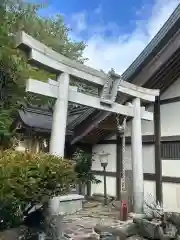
[(30, 178)]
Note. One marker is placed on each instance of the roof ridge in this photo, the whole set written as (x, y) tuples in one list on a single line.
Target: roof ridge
[(47, 112), (37, 110)]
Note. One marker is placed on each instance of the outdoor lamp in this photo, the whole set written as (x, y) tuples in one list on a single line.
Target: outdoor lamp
[(103, 157)]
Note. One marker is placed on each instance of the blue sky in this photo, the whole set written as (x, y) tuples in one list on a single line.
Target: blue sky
[(115, 31), (103, 12)]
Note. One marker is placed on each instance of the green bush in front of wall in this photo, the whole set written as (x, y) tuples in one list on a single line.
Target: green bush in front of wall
[(30, 178)]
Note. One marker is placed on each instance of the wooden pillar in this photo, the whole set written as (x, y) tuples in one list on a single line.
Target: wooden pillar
[(158, 162), (118, 165)]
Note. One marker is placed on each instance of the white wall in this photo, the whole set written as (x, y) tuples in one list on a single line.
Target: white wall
[(170, 119), (22, 146), (107, 148), (171, 196), (99, 188), (96, 165), (148, 158), (149, 190), (171, 168), (172, 91), (170, 113), (147, 126)]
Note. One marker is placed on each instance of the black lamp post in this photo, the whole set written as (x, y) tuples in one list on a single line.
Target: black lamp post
[(104, 162)]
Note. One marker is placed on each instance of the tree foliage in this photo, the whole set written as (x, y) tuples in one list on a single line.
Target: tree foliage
[(83, 167), (29, 178), (14, 70)]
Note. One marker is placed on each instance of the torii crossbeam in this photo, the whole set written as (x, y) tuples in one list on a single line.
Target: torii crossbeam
[(109, 86)]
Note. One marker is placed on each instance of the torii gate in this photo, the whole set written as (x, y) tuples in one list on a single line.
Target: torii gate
[(109, 86)]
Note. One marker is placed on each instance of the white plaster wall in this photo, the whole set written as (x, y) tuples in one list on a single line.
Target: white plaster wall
[(21, 147), (147, 126), (149, 190), (170, 119), (171, 168), (170, 113), (148, 158), (99, 188), (107, 148), (96, 165), (171, 196), (172, 91)]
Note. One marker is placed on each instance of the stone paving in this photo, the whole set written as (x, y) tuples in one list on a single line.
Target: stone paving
[(81, 225)]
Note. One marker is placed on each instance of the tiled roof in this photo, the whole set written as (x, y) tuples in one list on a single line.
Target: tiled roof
[(42, 119)]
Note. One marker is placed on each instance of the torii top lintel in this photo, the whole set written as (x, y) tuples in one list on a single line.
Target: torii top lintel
[(41, 54)]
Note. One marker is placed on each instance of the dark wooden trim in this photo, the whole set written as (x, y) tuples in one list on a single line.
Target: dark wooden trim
[(167, 179), (171, 139), (110, 141), (170, 100), (158, 162), (146, 139), (118, 166), (147, 176), (101, 173)]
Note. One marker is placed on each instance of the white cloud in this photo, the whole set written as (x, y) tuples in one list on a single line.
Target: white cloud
[(119, 52), (79, 22)]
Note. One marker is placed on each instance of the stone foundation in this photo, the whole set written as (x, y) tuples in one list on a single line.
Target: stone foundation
[(67, 204), (164, 227)]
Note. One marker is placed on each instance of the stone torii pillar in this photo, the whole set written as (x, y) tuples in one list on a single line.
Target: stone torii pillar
[(58, 132), (137, 160)]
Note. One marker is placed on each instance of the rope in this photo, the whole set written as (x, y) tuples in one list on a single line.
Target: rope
[(121, 129)]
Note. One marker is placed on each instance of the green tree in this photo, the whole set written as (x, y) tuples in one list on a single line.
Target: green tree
[(83, 169), (14, 70)]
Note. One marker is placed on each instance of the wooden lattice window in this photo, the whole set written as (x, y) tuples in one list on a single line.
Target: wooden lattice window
[(170, 150)]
